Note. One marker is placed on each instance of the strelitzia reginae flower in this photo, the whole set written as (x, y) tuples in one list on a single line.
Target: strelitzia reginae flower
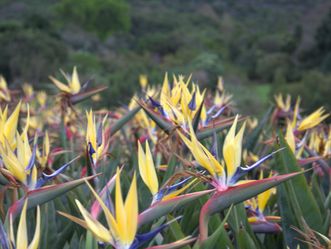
[(8, 125), (283, 104), (43, 155), (313, 119), (22, 233), (94, 137), (222, 176), (183, 101), (143, 81), (121, 232), (221, 97), (73, 86), (179, 103), (41, 98), (320, 141), (256, 207), (143, 121), (20, 162), (149, 176), (122, 226), (28, 90), (4, 92)]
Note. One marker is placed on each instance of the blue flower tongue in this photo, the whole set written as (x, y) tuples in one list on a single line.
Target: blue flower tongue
[(91, 150), (157, 104), (241, 171), (32, 158), (168, 189), (192, 105), (4, 241), (46, 177), (99, 134), (140, 239)]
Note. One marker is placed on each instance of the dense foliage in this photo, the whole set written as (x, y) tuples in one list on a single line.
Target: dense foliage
[(194, 172), (268, 46)]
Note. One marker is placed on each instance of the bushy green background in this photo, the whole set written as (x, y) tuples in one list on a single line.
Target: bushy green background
[(262, 46)]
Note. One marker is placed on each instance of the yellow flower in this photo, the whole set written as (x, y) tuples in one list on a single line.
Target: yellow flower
[(232, 148), (22, 233), (28, 90), (180, 103), (44, 154), (4, 92), (220, 84), (19, 162), (73, 86), (290, 138), (285, 105), (313, 119), (41, 98), (143, 80), (122, 226), (94, 136), (149, 177), (260, 202), (147, 169), (8, 126), (203, 156)]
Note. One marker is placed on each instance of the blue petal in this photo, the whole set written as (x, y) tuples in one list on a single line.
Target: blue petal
[(46, 177), (157, 105), (216, 115), (219, 112), (214, 147), (192, 105), (4, 241), (241, 171), (211, 109), (140, 239), (99, 135), (154, 103), (32, 158), (168, 189), (91, 150), (265, 227)]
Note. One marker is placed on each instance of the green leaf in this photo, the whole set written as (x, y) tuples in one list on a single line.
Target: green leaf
[(164, 125), (208, 132), (289, 218), (176, 231), (216, 237), (244, 240), (175, 245), (3, 180), (233, 195), (79, 97), (302, 198), (45, 194), (90, 242), (123, 120), (162, 208), (197, 117), (253, 137)]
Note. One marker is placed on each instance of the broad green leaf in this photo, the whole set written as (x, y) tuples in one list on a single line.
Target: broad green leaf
[(301, 194), (45, 194), (162, 208), (216, 237), (123, 120), (79, 97), (233, 195), (164, 125), (217, 127)]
